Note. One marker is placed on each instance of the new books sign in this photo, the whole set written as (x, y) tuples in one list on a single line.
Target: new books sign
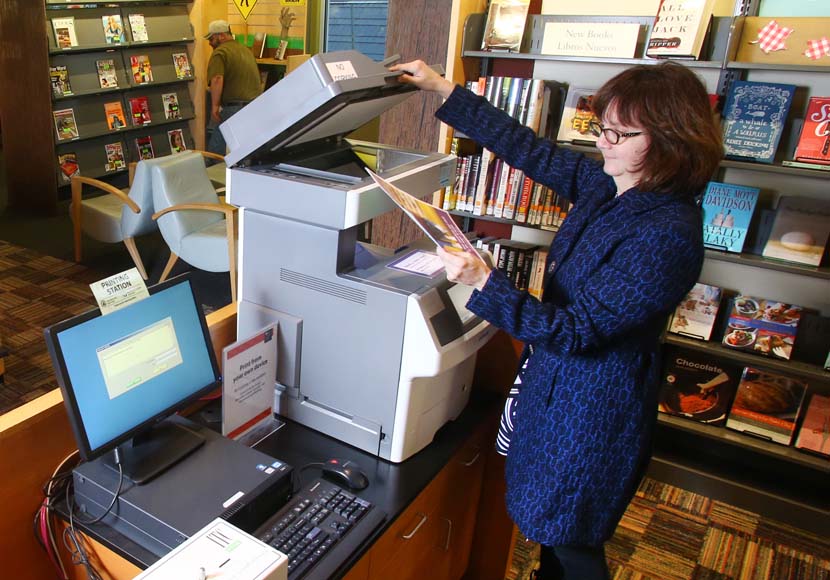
[(607, 39)]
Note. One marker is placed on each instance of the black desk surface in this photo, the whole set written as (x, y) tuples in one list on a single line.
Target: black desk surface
[(392, 486)]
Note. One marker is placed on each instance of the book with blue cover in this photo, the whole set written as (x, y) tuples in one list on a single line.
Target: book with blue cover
[(753, 119), (727, 211)]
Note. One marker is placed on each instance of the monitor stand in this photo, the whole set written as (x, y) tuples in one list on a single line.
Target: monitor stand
[(153, 450)]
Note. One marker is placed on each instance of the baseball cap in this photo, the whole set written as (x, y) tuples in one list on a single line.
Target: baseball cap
[(217, 27)]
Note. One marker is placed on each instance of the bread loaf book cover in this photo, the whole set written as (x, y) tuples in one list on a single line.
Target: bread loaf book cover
[(814, 141), (695, 315), (767, 405), (762, 326), (753, 119), (697, 385), (727, 212), (800, 230), (814, 434)]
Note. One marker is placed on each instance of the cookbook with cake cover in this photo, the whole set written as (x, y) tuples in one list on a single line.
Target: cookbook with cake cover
[(762, 326), (767, 405)]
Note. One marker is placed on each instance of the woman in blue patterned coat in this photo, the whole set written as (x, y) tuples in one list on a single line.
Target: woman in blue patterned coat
[(629, 250)]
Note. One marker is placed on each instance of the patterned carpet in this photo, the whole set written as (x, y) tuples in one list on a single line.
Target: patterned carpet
[(35, 291), (671, 534)]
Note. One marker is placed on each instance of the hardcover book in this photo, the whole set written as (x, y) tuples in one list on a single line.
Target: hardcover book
[(170, 103), (767, 405), (65, 32), (140, 111), (695, 315), (59, 77), (679, 28), (814, 141), (697, 385), (800, 230), (182, 65), (142, 71), (175, 138), (576, 116), (753, 119), (505, 25), (115, 157), (762, 326), (144, 147), (113, 29), (107, 77), (65, 124), (68, 164), (115, 115), (138, 28), (814, 434), (727, 211)]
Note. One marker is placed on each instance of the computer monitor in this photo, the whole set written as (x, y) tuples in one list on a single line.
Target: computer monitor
[(123, 373)]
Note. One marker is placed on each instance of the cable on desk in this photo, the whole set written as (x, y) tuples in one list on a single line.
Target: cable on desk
[(44, 533)]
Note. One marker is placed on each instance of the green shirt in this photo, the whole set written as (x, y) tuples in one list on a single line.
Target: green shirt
[(236, 64)]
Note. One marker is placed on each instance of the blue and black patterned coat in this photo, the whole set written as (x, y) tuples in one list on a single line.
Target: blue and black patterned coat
[(588, 402)]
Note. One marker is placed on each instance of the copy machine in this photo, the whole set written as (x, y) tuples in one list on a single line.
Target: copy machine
[(373, 356)]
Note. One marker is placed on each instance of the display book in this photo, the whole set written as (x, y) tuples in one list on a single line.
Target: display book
[(113, 29), (813, 148), (141, 68), (138, 28), (107, 76), (487, 186), (505, 25), (64, 28), (679, 28), (727, 212), (695, 315), (754, 115), (59, 79)]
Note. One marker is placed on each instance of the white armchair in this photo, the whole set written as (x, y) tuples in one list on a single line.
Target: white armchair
[(196, 226)]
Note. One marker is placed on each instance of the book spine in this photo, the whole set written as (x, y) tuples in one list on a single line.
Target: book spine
[(523, 207), (485, 175)]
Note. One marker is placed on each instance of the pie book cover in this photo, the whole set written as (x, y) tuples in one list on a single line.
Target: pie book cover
[(762, 326), (727, 213), (814, 434), (753, 119), (695, 315), (814, 141), (766, 405), (800, 230), (697, 385)]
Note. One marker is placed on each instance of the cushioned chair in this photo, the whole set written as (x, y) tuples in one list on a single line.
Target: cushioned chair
[(120, 215), (216, 172), (197, 227)]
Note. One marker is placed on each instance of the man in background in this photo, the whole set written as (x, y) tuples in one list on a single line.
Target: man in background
[(233, 80)]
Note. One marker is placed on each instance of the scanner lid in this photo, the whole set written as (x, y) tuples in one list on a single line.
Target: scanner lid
[(329, 95)]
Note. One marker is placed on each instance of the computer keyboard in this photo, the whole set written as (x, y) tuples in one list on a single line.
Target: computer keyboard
[(319, 528)]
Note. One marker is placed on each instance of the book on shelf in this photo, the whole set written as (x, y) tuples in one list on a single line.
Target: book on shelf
[(505, 25), (64, 28), (727, 212), (115, 115), (138, 28), (753, 119), (113, 29), (115, 157), (779, 8), (107, 77), (695, 315), (576, 117), (175, 138), (140, 111), (813, 343), (762, 326), (436, 223), (141, 68), (679, 28), (68, 164), (766, 405), (282, 46), (144, 147), (65, 124), (814, 141), (170, 102), (697, 385), (800, 230), (814, 433), (59, 77), (182, 65)]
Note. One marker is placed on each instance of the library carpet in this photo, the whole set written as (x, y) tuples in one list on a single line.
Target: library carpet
[(668, 533), (35, 291)]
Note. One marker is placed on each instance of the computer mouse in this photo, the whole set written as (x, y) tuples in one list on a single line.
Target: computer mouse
[(345, 472)]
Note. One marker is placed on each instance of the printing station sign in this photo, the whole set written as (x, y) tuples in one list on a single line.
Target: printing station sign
[(118, 291), (595, 39)]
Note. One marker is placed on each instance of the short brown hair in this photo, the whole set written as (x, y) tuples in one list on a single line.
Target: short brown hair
[(670, 103)]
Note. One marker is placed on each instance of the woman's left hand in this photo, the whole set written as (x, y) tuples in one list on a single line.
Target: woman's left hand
[(464, 268)]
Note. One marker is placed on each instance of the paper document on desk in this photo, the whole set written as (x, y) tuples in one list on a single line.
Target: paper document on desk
[(220, 551), (435, 222)]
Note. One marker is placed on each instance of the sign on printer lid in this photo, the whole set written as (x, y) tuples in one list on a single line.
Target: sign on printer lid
[(330, 94)]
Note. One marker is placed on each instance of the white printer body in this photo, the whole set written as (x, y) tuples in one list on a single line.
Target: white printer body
[(371, 355)]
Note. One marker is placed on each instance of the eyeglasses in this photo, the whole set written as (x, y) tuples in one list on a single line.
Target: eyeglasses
[(611, 135)]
